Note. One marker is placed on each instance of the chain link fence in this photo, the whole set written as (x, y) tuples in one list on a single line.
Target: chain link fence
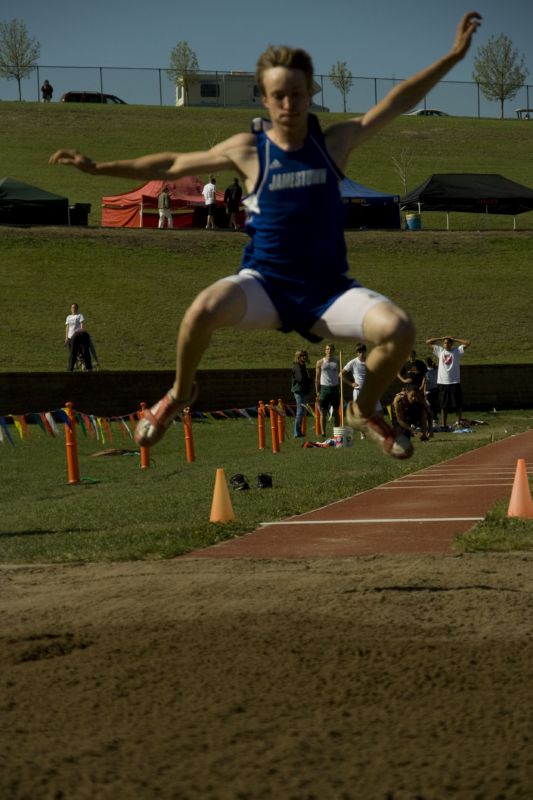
[(154, 86)]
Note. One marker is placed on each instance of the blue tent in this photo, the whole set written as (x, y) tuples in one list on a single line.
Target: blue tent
[(368, 209)]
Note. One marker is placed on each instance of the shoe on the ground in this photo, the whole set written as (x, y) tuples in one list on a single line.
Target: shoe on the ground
[(393, 442), (239, 482), (151, 428), (264, 480)]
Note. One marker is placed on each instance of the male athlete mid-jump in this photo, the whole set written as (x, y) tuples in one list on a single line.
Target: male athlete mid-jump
[(293, 274)]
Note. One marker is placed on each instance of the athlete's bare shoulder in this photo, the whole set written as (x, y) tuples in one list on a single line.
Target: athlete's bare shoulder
[(238, 140), (241, 150), (341, 138)]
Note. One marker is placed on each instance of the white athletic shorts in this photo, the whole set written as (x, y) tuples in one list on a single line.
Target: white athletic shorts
[(342, 320)]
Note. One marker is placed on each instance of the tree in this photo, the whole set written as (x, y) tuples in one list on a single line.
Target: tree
[(183, 67), (403, 162), (499, 69), (342, 79), (19, 52)]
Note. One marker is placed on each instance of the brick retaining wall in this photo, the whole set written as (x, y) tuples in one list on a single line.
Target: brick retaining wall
[(119, 393)]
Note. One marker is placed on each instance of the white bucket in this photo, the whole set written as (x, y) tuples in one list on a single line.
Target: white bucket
[(343, 436)]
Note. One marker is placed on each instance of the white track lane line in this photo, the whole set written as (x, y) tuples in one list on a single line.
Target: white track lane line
[(374, 521)]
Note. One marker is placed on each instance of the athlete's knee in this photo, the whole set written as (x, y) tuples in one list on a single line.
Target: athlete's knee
[(402, 330)]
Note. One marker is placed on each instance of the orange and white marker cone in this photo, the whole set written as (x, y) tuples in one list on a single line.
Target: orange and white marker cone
[(73, 469), (145, 451), (261, 413), (221, 507), (190, 454), (521, 504), (274, 426)]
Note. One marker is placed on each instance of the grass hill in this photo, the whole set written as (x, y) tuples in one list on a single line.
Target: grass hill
[(134, 285), (30, 132)]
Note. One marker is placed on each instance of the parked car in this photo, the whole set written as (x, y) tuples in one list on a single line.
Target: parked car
[(91, 97), (427, 112)]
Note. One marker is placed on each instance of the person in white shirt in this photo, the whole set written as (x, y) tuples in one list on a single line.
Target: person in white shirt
[(74, 322), (210, 197), (449, 374), (327, 386), (354, 373)]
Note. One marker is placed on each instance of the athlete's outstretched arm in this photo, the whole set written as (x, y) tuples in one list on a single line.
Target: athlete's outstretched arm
[(344, 136), (234, 153)]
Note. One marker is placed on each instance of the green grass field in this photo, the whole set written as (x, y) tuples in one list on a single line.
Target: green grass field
[(475, 286), (133, 287), (120, 512)]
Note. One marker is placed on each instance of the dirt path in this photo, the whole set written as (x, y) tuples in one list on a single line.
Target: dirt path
[(378, 677)]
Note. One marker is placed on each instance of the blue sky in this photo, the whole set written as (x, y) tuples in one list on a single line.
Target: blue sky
[(383, 38)]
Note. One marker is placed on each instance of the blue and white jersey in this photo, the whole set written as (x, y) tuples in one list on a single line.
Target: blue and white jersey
[(295, 222), (295, 214)]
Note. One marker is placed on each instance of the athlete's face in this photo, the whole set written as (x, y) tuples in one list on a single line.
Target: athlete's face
[(286, 96)]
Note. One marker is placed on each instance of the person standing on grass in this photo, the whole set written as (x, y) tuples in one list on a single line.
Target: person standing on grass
[(301, 384), (165, 209), (47, 90), (449, 374), (294, 269), (413, 371), (232, 199), (354, 374), (74, 322), (210, 197), (431, 388), (327, 385)]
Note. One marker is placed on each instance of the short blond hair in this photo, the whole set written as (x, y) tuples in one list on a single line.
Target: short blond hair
[(284, 56)]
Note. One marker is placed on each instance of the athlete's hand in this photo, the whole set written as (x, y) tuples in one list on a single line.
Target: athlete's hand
[(469, 24), (72, 158)]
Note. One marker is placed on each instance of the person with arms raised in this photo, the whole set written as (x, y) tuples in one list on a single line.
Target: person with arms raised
[(293, 274)]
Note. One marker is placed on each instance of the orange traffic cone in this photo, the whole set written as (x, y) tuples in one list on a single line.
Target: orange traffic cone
[(221, 508), (521, 504)]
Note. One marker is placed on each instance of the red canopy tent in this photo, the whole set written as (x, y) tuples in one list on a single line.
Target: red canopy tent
[(138, 208)]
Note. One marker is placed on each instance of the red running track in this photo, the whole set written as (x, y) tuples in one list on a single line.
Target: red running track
[(418, 513)]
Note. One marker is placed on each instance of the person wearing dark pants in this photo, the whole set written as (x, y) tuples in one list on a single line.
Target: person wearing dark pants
[(80, 347), (301, 388)]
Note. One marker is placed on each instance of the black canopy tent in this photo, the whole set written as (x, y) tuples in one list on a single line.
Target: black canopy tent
[(22, 204), (469, 192)]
